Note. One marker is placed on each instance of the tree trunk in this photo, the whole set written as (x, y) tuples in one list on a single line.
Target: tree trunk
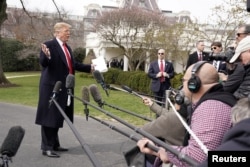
[(3, 17)]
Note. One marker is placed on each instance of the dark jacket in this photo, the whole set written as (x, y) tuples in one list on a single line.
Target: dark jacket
[(244, 88), (234, 79), (53, 70), (154, 70), (193, 58), (236, 139)]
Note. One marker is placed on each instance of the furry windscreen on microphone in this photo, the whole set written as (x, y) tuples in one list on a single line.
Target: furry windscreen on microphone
[(12, 141), (57, 87), (98, 76), (70, 81), (95, 93), (85, 95)]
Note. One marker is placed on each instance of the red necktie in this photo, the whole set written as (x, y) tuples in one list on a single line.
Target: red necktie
[(68, 58), (200, 57), (162, 70)]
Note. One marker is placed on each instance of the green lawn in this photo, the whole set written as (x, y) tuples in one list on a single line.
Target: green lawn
[(26, 93)]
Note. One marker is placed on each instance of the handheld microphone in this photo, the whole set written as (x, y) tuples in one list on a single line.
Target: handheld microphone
[(96, 95), (70, 84), (56, 90), (99, 79), (85, 98), (12, 141)]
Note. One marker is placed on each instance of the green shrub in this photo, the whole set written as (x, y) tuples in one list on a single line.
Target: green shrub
[(137, 80)]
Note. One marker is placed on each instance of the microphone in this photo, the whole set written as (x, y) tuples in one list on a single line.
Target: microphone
[(99, 79), (96, 95), (56, 90), (70, 84), (85, 98), (12, 141)]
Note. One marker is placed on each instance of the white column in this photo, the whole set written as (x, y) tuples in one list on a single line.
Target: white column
[(102, 52), (125, 66), (147, 62)]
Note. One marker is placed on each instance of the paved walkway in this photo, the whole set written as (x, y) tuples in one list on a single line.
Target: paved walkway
[(21, 76), (107, 144)]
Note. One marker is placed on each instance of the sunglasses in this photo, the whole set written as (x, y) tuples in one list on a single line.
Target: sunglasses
[(213, 48), (160, 53), (239, 34)]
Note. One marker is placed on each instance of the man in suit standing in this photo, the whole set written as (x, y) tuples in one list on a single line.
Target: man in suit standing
[(160, 72), (198, 55), (57, 62)]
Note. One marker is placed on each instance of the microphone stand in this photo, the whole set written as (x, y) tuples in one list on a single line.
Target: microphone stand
[(5, 160), (131, 136), (90, 154), (129, 90), (180, 155), (129, 112), (167, 93), (86, 111)]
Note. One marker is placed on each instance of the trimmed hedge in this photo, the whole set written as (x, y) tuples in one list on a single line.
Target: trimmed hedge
[(136, 80)]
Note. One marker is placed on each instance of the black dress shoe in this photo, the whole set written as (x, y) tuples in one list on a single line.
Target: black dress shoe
[(51, 154), (61, 149)]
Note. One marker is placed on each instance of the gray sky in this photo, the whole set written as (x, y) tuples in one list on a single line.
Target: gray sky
[(199, 8)]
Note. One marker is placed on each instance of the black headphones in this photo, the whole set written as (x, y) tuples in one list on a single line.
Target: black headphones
[(194, 83)]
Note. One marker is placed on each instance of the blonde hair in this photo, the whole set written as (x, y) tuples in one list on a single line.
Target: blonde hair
[(59, 26)]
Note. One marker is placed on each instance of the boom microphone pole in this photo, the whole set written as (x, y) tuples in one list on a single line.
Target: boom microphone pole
[(180, 155), (90, 154), (131, 136), (97, 97), (127, 111), (129, 90)]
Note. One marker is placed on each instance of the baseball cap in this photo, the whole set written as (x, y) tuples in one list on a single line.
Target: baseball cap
[(243, 45)]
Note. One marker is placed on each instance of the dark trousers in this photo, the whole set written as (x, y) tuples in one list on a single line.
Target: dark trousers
[(160, 96), (50, 139)]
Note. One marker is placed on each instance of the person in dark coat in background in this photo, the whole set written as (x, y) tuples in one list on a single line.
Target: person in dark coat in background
[(160, 76), (214, 57), (55, 67), (198, 55)]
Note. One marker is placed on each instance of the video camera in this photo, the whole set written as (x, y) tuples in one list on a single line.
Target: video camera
[(223, 56)]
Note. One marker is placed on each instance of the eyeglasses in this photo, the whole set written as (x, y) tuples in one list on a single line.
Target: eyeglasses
[(160, 53), (183, 80), (239, 34), (213, 48)]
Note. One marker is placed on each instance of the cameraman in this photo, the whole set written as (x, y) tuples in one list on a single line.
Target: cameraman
[(216, 58), (236, 82)]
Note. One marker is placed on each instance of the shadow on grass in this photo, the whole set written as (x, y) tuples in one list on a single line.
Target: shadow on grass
[(8, 85)]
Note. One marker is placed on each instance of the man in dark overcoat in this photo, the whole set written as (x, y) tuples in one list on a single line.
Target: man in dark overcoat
[(56, 66)]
